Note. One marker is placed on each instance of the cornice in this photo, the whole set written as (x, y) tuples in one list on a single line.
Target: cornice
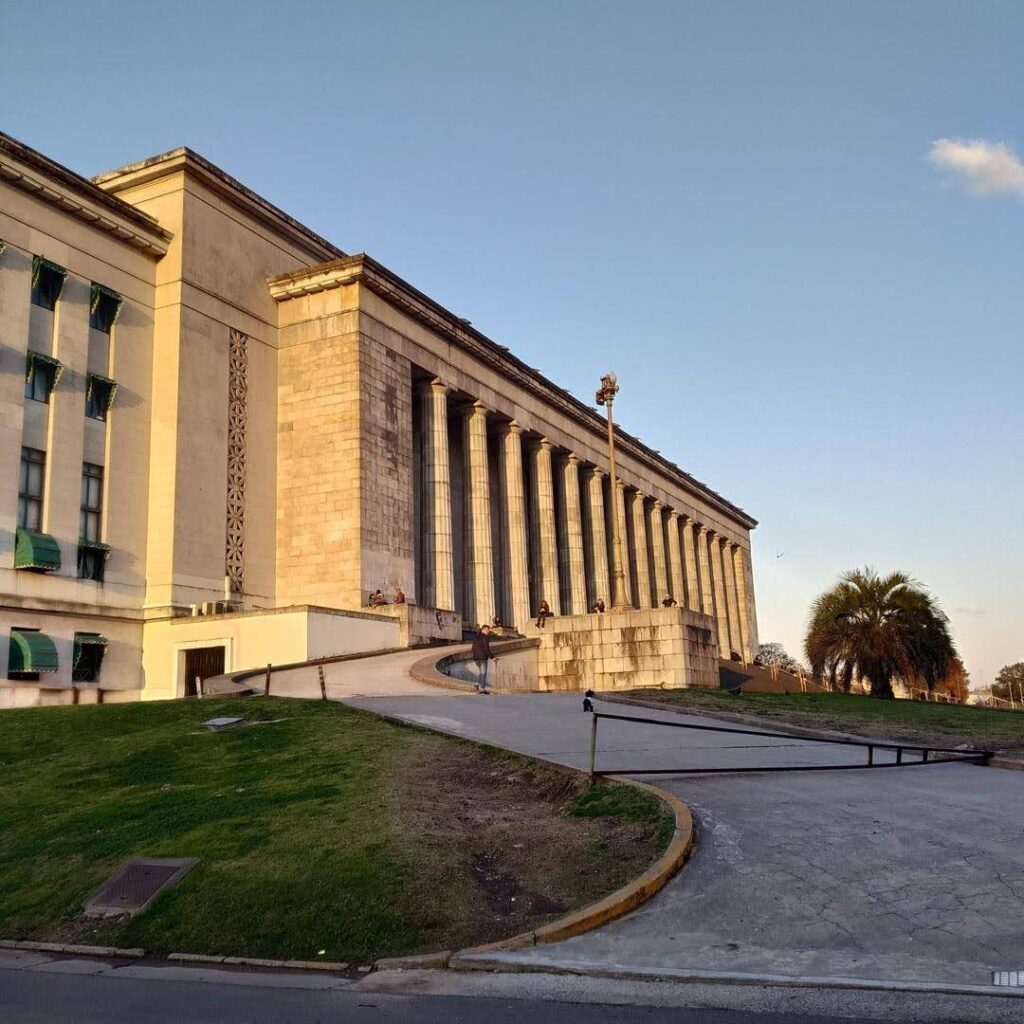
[(223, 185), (46, 180), (381, 281)]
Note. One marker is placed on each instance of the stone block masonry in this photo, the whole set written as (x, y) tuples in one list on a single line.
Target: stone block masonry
[(662, 647)]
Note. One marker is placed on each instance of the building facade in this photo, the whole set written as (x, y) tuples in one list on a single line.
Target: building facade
[(205, 406)]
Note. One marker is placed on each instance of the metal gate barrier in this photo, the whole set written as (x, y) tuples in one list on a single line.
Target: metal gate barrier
[(924, 752)]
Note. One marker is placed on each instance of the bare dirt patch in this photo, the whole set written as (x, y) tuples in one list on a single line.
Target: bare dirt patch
[(519, 837)]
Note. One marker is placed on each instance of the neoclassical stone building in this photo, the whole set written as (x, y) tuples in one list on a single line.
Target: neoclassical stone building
[(219, 433)]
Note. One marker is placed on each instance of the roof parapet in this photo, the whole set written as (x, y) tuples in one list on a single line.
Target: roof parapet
[(32, 172)]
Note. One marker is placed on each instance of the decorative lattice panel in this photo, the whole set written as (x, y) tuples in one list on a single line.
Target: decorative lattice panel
[(238, 389)]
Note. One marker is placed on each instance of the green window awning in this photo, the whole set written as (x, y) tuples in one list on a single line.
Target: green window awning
[(31, 652), (104, 307), (102, 388), (33, 359), (35, 551), (47, 282)]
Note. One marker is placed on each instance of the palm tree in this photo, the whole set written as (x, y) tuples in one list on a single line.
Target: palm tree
[(878, 628)]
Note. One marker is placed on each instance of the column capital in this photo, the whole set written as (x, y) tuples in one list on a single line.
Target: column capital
[(438, 386), (673, 514), (640, 494), (512, 427), (544, 444), (658, 504), (475, 408), (572, 457), (704, 529)]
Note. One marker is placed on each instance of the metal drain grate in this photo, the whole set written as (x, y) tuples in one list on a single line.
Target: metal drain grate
[(133, 886), (1008, 979)]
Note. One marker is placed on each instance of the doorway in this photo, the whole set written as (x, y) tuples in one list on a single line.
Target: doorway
[(202, 663)]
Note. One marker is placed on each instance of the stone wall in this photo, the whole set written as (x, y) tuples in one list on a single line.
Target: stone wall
[(420, 625), (662, 647)]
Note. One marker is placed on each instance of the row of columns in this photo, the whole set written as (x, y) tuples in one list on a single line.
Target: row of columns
[(699, 568)]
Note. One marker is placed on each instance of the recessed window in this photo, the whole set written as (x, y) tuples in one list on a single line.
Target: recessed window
[(41, 376), (99, 396), (92, 552), (30, 488), (88, 657), (47, 282), (104, 307)]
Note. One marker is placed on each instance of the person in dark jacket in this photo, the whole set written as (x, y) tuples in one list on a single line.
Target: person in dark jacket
[(543, 614), (482, 654)]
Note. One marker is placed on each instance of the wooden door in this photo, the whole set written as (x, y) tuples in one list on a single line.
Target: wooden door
[(202, 662)]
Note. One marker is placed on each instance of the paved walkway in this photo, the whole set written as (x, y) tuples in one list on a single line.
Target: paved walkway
[(904, 874)]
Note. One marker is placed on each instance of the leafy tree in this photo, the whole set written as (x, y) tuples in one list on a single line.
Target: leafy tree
[(775, 654), (878, 628), (1009, 675)]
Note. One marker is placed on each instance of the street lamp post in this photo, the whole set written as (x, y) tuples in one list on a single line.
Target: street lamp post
[(605, 396)]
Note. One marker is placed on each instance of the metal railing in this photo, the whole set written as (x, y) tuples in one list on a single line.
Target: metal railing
[(924, 751)]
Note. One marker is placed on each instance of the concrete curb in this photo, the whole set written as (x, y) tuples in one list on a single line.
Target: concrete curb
[(628, 898), (249, 961), (74, 949), (684, 975)]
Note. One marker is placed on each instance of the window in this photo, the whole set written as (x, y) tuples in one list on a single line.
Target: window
[(92, 552), (88, 657), (104, 307), (30, 488), (99, 396), (47, 282), (41, 376)]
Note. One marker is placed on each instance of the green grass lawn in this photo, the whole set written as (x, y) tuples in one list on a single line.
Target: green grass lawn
[(946, 725), (330, 830)]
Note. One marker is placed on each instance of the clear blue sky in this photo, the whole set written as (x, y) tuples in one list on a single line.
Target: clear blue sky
[(731, 204)]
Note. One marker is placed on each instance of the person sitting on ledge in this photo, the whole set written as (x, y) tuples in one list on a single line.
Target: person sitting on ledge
[(377, 599), (399, 596), (669, 602), (543, 613), (598, 606)]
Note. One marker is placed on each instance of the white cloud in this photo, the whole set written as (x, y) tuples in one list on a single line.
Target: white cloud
[(986, 168)]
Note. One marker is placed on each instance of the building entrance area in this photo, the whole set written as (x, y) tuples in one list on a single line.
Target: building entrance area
[(201, 663)]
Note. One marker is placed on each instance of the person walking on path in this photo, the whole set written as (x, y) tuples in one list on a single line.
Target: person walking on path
[(482, 654)]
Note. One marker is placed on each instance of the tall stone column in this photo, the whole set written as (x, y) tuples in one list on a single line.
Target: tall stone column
[(598, 540), (693, 599), (643, 572), (620, 510), (675, 559), (479, 549), (656, 538), (546, 552), (743, 598), (718, 589), (577, 596), (707, 598), (513, 531), (438, 563), (731, 597)]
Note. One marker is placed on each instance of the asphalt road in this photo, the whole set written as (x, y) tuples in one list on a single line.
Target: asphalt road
[(48, 990)]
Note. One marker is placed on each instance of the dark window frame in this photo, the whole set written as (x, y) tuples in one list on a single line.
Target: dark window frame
[(47, 283), (86, 668), (104, 308), (27, 498), (99, 396), (42, 372)]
